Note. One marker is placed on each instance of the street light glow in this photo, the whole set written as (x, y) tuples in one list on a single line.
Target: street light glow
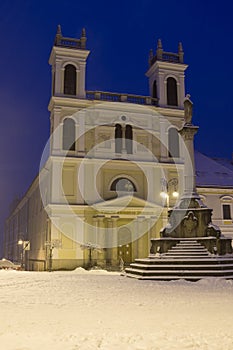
[(164, 195), (175, 194)]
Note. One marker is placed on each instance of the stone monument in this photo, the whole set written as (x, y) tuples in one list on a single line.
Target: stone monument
[(190, 245), (190, 217)]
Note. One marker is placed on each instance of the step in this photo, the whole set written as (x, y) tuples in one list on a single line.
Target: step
[(187, 253), (169, 278), (185, 266), (183, 256), (187, 259), (188, 247), (187, 250), (182, 241), (207, 260), (197, 244), (180, 272)]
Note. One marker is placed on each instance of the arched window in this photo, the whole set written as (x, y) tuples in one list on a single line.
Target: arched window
[(154, 92), (172, 92), (70, 80), (118, 138), (69, 134), (227, 207), (173, 143), (123, 184), (129, 139)]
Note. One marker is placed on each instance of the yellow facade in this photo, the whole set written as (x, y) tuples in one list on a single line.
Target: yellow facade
[(98, 199)]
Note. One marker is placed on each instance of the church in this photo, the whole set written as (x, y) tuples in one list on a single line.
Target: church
[(111, 170)]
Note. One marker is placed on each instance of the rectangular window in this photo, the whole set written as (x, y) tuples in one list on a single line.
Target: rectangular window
[(226, 211)]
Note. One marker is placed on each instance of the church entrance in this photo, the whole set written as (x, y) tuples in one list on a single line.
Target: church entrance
[(125, 245)]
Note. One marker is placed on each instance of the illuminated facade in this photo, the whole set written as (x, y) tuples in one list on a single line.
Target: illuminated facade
[(98, 196)]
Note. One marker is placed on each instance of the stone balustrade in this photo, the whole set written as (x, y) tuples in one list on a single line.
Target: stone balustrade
[(120, 97)]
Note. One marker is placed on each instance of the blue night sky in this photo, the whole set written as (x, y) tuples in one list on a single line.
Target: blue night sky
[(119, 35)]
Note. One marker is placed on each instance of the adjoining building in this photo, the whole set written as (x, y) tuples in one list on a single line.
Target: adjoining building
[(115, 166), (214, 184)]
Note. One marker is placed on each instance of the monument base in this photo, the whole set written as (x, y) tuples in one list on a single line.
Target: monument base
[(188, 258)]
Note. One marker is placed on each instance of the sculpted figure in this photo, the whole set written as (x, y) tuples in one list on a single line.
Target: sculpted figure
[(190, 223), (188, 109)]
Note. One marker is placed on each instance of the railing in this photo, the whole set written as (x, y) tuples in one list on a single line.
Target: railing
[(68, 42), (170, 57), (167, 57), (117, 97)]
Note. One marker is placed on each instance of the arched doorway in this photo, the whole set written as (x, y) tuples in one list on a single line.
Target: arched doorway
[(125, 245)]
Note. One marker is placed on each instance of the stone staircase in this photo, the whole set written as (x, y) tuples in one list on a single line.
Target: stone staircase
[(188, 259)]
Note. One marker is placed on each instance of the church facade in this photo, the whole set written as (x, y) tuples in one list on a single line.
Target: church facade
[(112, 168)]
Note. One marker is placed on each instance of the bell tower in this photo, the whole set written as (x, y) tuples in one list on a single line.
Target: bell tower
[(166, 75), (68, 61)]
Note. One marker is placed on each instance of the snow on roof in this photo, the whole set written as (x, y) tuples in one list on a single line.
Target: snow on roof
[(210, 173), (228, 163)]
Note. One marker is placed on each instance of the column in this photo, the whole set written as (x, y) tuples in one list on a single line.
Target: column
[(124, 151), (81, 82), (163, 140), (58, 89), (114, 250), (108, 240), (187, 134), (161, 89), (101, 233), (141, 229), (80, 134)]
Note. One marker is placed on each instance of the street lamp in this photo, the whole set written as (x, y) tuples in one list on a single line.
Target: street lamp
[(166, 185), (90, 247), (25, 245), (54, 243)]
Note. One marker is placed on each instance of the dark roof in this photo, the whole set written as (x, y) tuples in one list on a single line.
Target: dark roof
[(228, 163), (210, 173)]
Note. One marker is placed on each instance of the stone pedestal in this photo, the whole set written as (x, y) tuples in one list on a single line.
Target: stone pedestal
[(190, 218), (191, 246)]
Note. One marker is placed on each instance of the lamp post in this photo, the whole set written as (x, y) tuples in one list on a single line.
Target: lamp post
[(50, 246), (90, 247), (54, 243), (25, 245), (166, 185)]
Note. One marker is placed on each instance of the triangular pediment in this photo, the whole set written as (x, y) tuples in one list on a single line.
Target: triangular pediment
[(126, 201)]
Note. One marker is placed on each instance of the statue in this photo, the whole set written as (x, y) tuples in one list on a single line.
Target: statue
[(190, 223), (188, 110)]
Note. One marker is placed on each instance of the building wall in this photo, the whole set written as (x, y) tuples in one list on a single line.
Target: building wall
[(71, 202), (215, 198), (27, 222)]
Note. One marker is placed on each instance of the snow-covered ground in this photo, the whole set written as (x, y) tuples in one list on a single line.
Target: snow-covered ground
[(82, 310)]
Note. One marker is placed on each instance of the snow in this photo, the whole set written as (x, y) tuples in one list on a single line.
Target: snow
[(82, 310), (211, 173)]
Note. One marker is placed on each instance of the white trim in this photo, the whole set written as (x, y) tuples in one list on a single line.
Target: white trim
[(123, 176), (65, 63), (226, 199)]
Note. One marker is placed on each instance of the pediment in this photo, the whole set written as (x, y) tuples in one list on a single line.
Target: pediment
[(126, 201)]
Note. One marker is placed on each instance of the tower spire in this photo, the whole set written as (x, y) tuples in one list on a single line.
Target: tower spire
[(58, 35), (159, 44), (159, 51), (83, 33), (180, 52), (151, 55), (59, 30), (83, 39)]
